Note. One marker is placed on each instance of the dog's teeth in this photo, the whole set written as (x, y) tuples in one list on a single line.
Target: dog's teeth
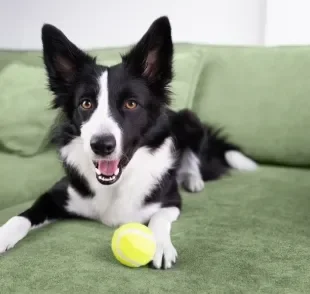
[(116, 172), (103, 178)]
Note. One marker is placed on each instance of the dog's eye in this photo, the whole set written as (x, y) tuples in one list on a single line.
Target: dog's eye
[(86, 104), (130, 104)]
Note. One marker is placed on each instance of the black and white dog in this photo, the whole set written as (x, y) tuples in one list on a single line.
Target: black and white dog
[(124, 152)]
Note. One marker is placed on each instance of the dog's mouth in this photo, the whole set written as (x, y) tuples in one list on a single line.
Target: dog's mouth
[(107, 171)]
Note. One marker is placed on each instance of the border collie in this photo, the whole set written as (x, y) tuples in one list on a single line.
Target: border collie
[(123, 150)]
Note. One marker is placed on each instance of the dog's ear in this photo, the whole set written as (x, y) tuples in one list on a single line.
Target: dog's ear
[(152, 56), (63, 60)]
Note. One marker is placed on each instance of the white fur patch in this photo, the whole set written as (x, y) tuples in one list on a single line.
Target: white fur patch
[(239, 161), (160, 224), (189, 173), (75, 155), (123, 201), (101, 121), (13, 231), (45, 223)]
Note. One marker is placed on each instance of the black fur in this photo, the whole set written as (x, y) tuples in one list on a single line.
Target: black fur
[(50, 206), (206, 142)]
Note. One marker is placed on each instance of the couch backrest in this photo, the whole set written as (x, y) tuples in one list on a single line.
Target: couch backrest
[(260, 96)]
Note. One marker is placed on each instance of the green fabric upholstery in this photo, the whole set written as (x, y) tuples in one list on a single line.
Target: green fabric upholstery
[(25, 122), (262, 98), (25, 178), (246, 233)]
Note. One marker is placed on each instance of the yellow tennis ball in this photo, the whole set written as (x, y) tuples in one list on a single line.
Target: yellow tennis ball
[(133, 244)]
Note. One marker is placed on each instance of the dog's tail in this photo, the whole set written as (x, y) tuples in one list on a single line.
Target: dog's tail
[(206, 153), (217, 155)]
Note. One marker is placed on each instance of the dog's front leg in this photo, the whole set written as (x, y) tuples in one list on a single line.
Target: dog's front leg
[(48, 207), (160, 224)]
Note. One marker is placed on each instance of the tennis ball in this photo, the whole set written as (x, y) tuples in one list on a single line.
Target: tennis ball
[(133, 244)]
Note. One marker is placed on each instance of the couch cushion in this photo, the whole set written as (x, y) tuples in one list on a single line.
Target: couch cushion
[(262, 98), (26, 178), (26, 116), (248, 233)]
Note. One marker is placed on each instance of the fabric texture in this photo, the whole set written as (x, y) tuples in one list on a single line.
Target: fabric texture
[(261, 96), (248, 233), (26, 178), (25, 120)]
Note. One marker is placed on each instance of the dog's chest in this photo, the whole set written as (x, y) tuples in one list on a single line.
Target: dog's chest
[(119, 207), (124, 201)]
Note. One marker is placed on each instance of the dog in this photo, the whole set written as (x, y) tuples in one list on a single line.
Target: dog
[(125, 153)]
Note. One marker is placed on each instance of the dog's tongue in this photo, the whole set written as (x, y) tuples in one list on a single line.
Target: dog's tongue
[(108, 168)]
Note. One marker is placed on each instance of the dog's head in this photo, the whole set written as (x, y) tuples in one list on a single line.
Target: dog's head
[(111, 108)]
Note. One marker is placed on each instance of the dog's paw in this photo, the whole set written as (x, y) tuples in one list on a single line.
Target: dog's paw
[(13, 231), (193, 183), (165, 255), (160, 224)]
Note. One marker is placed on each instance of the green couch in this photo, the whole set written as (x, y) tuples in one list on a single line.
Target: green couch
[(246, 233)]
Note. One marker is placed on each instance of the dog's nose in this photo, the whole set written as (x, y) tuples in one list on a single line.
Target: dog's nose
[(103, 145)]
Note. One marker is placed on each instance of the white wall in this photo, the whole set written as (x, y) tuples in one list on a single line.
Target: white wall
[(105, 23), (287, 22)]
